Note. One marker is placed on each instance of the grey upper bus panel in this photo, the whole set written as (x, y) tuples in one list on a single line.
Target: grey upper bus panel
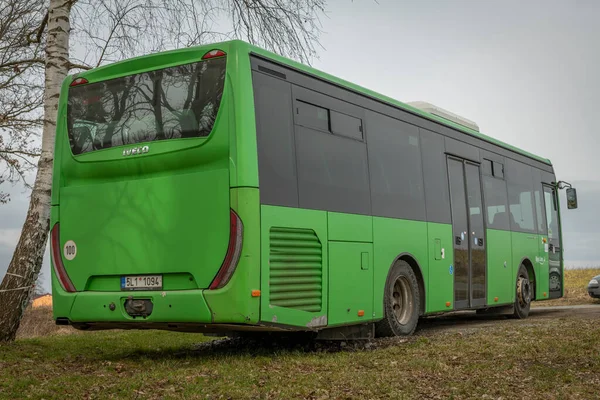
[(463, 150), (317, 84)]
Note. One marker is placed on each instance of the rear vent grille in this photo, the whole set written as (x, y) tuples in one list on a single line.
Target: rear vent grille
[(295, 269), (272, 72)]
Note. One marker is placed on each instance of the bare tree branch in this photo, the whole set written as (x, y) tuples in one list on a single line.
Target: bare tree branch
[(18, 63), (40, 31), (20, 152), (73, 65)]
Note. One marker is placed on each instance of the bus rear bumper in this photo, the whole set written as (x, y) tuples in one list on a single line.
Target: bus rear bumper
[(151, 307)]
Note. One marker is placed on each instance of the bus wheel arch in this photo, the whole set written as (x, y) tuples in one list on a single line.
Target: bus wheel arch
[(531, 272), (401, 301), (524, 290), (414, 265)]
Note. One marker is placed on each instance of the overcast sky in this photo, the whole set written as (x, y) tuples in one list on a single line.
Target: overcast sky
[(528, 72)]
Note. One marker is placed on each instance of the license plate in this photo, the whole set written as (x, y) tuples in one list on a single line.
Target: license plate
[(141, 282)]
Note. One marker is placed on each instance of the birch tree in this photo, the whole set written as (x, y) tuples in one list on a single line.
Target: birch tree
[(21, 90), (42, 40)]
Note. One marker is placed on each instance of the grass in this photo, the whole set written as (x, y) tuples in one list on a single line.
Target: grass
[(552, 358), (576, 281)]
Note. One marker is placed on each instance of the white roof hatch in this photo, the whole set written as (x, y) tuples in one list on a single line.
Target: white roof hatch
[(440, 112)]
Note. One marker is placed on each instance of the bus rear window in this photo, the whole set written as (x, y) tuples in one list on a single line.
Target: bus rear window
[(171, 103)]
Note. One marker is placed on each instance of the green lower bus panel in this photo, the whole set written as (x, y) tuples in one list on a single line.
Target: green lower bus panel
[(500, 282), (294, 266), (439, 282), (350, 282)]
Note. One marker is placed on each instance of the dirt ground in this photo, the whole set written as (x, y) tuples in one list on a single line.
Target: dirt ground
[(469, 320)]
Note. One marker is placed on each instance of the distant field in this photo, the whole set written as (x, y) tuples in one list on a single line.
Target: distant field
[(576, 281)]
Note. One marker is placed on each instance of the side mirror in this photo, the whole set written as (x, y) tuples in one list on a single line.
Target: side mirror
[(571, 198)]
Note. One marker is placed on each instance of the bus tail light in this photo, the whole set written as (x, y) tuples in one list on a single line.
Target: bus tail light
[(214, 54), (234, 250), (59, 268), (78, 81)]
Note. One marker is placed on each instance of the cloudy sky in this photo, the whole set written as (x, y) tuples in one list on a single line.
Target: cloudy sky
[(526, 72)]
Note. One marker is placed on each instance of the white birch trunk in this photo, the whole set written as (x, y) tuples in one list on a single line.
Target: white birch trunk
[(27, 259)]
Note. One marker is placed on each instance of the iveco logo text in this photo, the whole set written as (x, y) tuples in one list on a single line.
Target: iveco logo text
[(136, 150)]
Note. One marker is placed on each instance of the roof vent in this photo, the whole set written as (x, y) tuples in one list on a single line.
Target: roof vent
[(440, 112)]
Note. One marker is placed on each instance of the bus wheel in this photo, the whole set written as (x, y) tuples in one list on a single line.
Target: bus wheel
[(523, 295), (400, 302)]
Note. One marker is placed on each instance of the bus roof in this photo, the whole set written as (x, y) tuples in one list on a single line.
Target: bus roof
[(252, 49)]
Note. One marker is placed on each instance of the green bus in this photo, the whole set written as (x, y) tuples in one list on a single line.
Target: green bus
[(224, 189)]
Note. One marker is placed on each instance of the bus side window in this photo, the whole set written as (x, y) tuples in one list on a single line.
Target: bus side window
[(435, 177), (275, 141), (332, 172), (395, 167), (521, 201), (494, 191), (312, 116), (346, 125)]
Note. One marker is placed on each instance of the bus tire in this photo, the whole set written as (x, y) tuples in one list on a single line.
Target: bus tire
[(400, 302), (522, 294)]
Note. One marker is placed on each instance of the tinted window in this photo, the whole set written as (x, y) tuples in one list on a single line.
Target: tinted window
[(342, 124), (538, 199), (332, 172), (498, 170), (522, 212), (538, 206), (486, 167), (494, 191), (312, 116), (437, 198), (520, 196), (476, 231), (171, 103), (551, 213), (460, 231), (275, 141), (395, 168)]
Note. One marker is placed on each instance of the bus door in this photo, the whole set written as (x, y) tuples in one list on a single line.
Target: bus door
[(469, 267), (552, 247)]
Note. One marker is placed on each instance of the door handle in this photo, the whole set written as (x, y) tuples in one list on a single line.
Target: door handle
[(364, 261)]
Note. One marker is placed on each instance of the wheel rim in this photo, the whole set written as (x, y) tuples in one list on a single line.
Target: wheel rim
[(402, 300), (554, 282), (523, 291)]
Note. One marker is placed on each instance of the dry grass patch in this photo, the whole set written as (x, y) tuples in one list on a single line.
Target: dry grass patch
[(38, 322)]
